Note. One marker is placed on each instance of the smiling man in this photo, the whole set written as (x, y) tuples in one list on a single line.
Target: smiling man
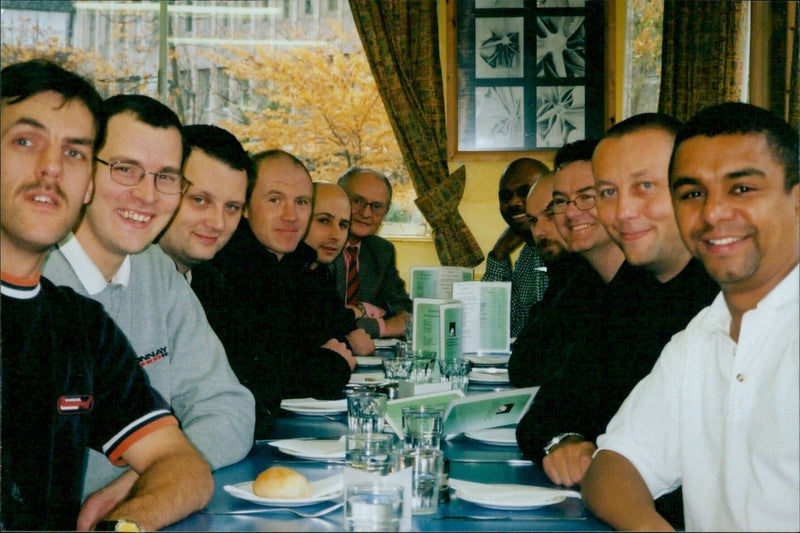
[(110, 258), (366, 273), (630, 167), (327, 235), (719, 414), (218, 170), (281, 347), (69, 377), (527, 276)]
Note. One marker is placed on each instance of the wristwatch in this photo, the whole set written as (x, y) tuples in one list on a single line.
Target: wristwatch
[(557, 440), (122, 524)]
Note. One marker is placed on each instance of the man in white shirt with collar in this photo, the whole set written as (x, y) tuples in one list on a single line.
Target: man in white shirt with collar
[(720, 412), (137, 188)]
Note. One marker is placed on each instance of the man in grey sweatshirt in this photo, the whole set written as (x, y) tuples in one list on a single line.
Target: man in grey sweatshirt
[(110, 258)]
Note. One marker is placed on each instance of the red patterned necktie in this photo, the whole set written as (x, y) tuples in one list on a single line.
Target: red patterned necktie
[(352, 275)]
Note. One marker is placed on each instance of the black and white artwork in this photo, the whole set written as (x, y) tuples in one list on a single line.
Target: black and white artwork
[(499, 117), (560, 3), (499, 42), (528, 75), (490, 4), (560, 115), (560, 47)]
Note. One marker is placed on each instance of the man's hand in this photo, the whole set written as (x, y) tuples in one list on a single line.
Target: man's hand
[(100, 503), (342, 349), (360, 342), (508, 241), (396, 326), (567, 462)]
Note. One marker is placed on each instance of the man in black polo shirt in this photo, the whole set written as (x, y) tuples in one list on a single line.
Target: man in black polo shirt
[(69, 379)]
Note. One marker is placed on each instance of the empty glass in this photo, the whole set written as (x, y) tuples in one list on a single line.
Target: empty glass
[(424, 367), (398, 368), (456, 371), (365, 411), (373, 506)]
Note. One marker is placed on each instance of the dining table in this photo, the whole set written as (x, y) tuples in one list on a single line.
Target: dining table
[(469, 460)]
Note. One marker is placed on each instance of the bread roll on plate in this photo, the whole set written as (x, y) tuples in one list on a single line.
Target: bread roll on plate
[(281, 482)]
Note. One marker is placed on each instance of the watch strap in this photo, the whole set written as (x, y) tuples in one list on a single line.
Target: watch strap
[(558, 439)]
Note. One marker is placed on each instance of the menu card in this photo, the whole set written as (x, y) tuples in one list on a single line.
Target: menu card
[(438, 325), (437, 281), (486, 313)]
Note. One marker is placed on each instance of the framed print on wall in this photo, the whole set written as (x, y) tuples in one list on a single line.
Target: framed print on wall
[(523, 76)]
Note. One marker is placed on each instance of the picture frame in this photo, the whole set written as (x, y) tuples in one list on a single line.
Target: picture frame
[(523, 76)]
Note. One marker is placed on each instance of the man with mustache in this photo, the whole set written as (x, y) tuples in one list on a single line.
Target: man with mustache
[(719, 414), (69, 375), (528, 278), (631, 168)]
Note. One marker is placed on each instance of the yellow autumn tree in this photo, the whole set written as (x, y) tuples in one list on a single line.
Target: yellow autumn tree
[(319, 103)]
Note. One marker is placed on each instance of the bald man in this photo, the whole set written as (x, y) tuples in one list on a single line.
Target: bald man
[(327, 235)]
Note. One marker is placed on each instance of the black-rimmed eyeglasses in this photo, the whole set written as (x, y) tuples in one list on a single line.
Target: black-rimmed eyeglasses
[(584, 202), (359, 203), (130, 174)]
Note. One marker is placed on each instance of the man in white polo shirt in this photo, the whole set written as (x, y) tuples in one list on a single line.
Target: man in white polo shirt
[(719, 414)]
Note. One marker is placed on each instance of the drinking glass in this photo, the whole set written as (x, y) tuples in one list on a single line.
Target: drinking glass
[(373, 506), (422, 427), (426, 475), (365, 411)]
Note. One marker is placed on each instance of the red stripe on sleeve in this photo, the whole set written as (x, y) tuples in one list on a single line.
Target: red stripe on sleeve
[(115, 455)]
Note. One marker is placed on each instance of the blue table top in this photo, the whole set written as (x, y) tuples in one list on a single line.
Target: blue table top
[(469, 460)]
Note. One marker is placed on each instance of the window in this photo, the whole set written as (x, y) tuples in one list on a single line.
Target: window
[(263, 70), (642, 75)]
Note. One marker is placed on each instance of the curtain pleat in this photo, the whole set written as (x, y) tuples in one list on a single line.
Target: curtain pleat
[(401, 40), (703, 58)]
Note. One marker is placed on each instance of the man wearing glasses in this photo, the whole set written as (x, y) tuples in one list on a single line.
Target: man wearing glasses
[(537, 356), (109, 258), (366, 272)]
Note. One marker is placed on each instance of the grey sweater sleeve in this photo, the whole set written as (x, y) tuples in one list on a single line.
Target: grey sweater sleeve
[(216, 412)]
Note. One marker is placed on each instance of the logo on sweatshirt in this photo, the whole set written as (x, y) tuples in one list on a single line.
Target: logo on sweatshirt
[(152, 357), (75, 404)]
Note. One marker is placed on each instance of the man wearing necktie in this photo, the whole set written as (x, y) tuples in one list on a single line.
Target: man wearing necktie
[(366, 273)]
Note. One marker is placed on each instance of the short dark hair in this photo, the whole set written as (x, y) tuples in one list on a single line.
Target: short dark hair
[(739, 118), (576, 151), (145, 109), (345, 178), (268, 155), (523, 162), (642, 121), (219, 144), (20, 81)]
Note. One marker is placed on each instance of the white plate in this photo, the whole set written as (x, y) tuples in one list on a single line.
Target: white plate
[(313, 449), (521, 506), (494, 436), (385, 343), (489, 375), (487, 359), (324, 490), (507, 497), (367, 378), (311, 407), (369, 360)]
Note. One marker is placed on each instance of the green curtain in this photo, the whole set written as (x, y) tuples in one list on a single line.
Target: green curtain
[(401, 39), (703, 58), (794, 111)]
